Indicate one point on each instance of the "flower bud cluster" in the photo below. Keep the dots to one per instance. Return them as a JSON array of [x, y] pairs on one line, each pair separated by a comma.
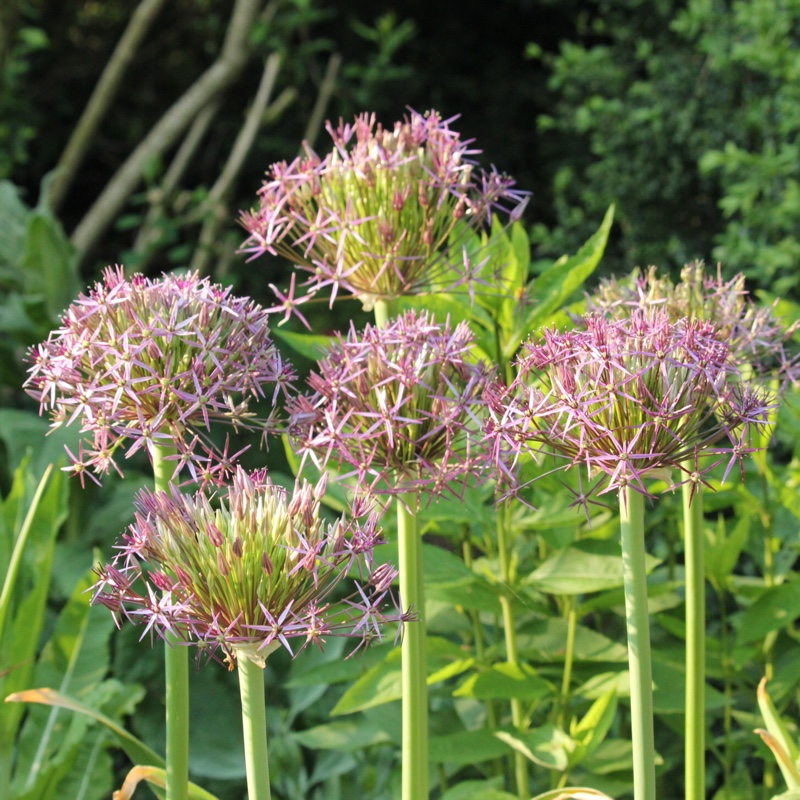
[[247, 572], [399, 406], [144, 362], [373, 216]]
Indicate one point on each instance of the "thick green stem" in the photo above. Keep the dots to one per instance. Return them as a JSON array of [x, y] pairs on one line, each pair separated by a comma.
[[414, 659], [176, 668], [510, 632], [638, 626], [254, 725], [569, 657], [694, 565]]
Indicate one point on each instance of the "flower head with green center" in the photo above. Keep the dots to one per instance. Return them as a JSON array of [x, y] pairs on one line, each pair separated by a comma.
[[756, 339], [399, 406], [374, 216], [248, 572], [153, 362], [631, 399]]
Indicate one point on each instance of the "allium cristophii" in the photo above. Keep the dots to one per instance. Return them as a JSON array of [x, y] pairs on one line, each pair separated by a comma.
[[373, 216], [248, 572], [630, 399], [399, 407], [144, 362], [756, 338]]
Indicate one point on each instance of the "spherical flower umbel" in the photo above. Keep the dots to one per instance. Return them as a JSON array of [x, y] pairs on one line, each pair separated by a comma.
[[631, 399], [756, 338], [373, 216], [144, 362], [248, 572], [397, 407]]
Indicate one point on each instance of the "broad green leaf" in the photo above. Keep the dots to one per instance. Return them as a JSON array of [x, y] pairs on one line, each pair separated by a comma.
[[50, 262], [14, 214], [723, 549], [137, 751], [311, 345], [505, 682], [546, 746], [342, 735], [554, 287], [382, 683], [590, 732], [777, 608], [612, 755], [547, 641], [478, 790], [588, 566], [466, 747]]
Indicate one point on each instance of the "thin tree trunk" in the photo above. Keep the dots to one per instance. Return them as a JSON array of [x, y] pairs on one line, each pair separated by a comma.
[[174, 122], [101, 99]]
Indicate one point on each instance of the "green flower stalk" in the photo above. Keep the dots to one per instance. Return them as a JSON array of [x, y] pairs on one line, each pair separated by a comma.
[[397, 408], [758, 343], [240, 575], [148, 365], [630, 400]]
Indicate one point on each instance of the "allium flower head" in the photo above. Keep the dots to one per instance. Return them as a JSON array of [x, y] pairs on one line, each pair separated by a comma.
[[630, 399], [373, 216], [145, 362], [756, 338], [398, 406], [247, 573]]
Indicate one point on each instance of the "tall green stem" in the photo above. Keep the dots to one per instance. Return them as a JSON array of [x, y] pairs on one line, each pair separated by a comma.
[[414, 658], [638, 626], [254, 726], [510, 632], [176, 668], [694, 565]]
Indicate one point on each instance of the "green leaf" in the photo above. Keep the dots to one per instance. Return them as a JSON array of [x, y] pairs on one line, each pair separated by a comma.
[[779, 738], [588, 566], [547, 746], [777, 608], [547, 640], [342, 735], [553, 288], [137, 751], [590, 732], [477, 790], [50, 262], [466, 747], [722, 550], [382, 683], [505, 682], [311, 345]]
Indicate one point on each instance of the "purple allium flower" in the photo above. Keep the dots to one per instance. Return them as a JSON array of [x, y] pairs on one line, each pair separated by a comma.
[[399, 406], [374, 215], [144, 363], [756, 338], [630, 399], [248, 572]]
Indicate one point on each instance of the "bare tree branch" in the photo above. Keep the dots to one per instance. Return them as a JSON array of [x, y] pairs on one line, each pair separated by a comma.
[[101, 99], [323, 98], [215, 79], [220, 191], [148, 235]]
